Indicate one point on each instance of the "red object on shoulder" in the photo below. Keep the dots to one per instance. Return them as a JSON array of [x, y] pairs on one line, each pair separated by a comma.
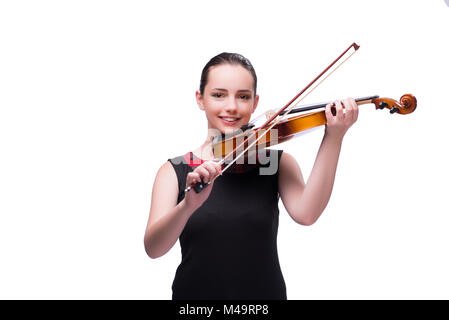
[[192, 161], [188, 157]]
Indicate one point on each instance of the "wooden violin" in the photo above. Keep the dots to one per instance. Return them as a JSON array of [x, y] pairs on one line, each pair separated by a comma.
[[276, 129], [286, 129]]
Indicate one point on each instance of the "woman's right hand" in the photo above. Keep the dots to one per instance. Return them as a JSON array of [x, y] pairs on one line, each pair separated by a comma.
[[205, 173]]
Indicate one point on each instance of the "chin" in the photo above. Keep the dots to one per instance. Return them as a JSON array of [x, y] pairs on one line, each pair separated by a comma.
[[230, 129]]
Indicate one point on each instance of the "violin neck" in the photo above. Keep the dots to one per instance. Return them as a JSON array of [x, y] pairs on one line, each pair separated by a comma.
[[365, 100], [359, 101]]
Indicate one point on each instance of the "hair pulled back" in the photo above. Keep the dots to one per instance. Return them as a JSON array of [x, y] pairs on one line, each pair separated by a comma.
[[230, 58]]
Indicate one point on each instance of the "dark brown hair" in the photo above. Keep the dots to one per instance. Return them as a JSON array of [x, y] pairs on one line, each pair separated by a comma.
[[230, 58]]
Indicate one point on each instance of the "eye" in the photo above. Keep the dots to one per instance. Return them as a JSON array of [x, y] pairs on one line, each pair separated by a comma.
[[217, 95], [244, 97]]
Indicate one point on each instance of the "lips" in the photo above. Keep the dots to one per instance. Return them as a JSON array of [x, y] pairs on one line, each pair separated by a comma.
[[229, 120]]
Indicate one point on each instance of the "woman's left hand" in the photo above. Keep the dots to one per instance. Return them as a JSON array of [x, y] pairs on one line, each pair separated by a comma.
[[346, 114]]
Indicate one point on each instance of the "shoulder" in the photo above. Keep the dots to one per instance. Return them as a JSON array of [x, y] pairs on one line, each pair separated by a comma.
[[289, 171], [291, 182], [287, 162], [165, 185], [171, 176], [167, 169], [166, 175], [274, 155]]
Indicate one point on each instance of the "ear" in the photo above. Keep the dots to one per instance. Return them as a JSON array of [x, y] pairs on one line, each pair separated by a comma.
[[256, 102], [199, 100]]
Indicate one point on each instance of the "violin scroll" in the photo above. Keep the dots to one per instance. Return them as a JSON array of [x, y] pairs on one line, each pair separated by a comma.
[[406, 105]]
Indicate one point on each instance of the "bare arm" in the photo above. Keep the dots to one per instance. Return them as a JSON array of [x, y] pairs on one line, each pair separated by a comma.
[[168, 219], [306, 202]]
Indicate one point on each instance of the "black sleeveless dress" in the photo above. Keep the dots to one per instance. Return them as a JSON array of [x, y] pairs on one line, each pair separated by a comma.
[[229, 245]]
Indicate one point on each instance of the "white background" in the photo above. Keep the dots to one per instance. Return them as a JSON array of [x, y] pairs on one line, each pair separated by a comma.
[[96, 95]]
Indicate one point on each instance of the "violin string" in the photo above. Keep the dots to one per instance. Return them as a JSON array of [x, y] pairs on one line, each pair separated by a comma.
[[279, 119]]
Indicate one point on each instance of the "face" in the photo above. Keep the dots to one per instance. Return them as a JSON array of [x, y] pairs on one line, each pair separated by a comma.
[[229, 98]]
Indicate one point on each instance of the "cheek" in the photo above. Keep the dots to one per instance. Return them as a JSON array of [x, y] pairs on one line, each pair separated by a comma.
[[211, 106], [215, 108], [247, 109]]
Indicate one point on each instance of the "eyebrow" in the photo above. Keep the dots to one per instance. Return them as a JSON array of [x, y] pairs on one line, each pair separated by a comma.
[[242, 90]]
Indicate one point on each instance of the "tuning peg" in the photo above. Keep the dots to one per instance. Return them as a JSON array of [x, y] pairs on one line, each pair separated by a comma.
[[383, 105], [394, 109]]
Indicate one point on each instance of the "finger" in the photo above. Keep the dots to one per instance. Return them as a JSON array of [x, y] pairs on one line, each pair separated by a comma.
[[210, 167], [353, 102], [192, 178], [355, 109], [204, 174], [349, 107], [328, 112], [217, 165], [356, 112], [219, 168], [339, 107]]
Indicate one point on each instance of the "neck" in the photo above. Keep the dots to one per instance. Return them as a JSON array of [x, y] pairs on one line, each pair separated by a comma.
[[205, 151]]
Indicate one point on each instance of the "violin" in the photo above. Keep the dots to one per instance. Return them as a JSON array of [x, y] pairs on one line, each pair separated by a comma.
[[278, 128], [286, 129]]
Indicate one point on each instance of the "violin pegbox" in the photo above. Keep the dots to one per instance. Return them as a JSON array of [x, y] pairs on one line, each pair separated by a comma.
[[407, 104]]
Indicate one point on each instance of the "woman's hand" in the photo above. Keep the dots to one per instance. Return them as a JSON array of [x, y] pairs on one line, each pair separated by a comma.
[[203, 173], [346, 114]]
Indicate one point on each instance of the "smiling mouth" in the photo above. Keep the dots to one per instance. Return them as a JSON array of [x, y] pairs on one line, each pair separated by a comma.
[[229, 120]]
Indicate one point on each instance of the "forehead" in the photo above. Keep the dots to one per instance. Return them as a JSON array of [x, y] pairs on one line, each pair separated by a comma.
[[231, 77]]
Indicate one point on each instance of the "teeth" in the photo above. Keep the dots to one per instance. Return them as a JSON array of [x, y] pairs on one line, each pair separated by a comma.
[[229, 119]]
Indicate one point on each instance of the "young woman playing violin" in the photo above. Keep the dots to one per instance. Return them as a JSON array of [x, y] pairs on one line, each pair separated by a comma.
[[228, 231]]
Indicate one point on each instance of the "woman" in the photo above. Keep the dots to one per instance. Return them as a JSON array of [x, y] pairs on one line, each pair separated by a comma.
[[228, 231]]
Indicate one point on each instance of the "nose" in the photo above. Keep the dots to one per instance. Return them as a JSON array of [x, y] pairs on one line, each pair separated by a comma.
[[231, 106]]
